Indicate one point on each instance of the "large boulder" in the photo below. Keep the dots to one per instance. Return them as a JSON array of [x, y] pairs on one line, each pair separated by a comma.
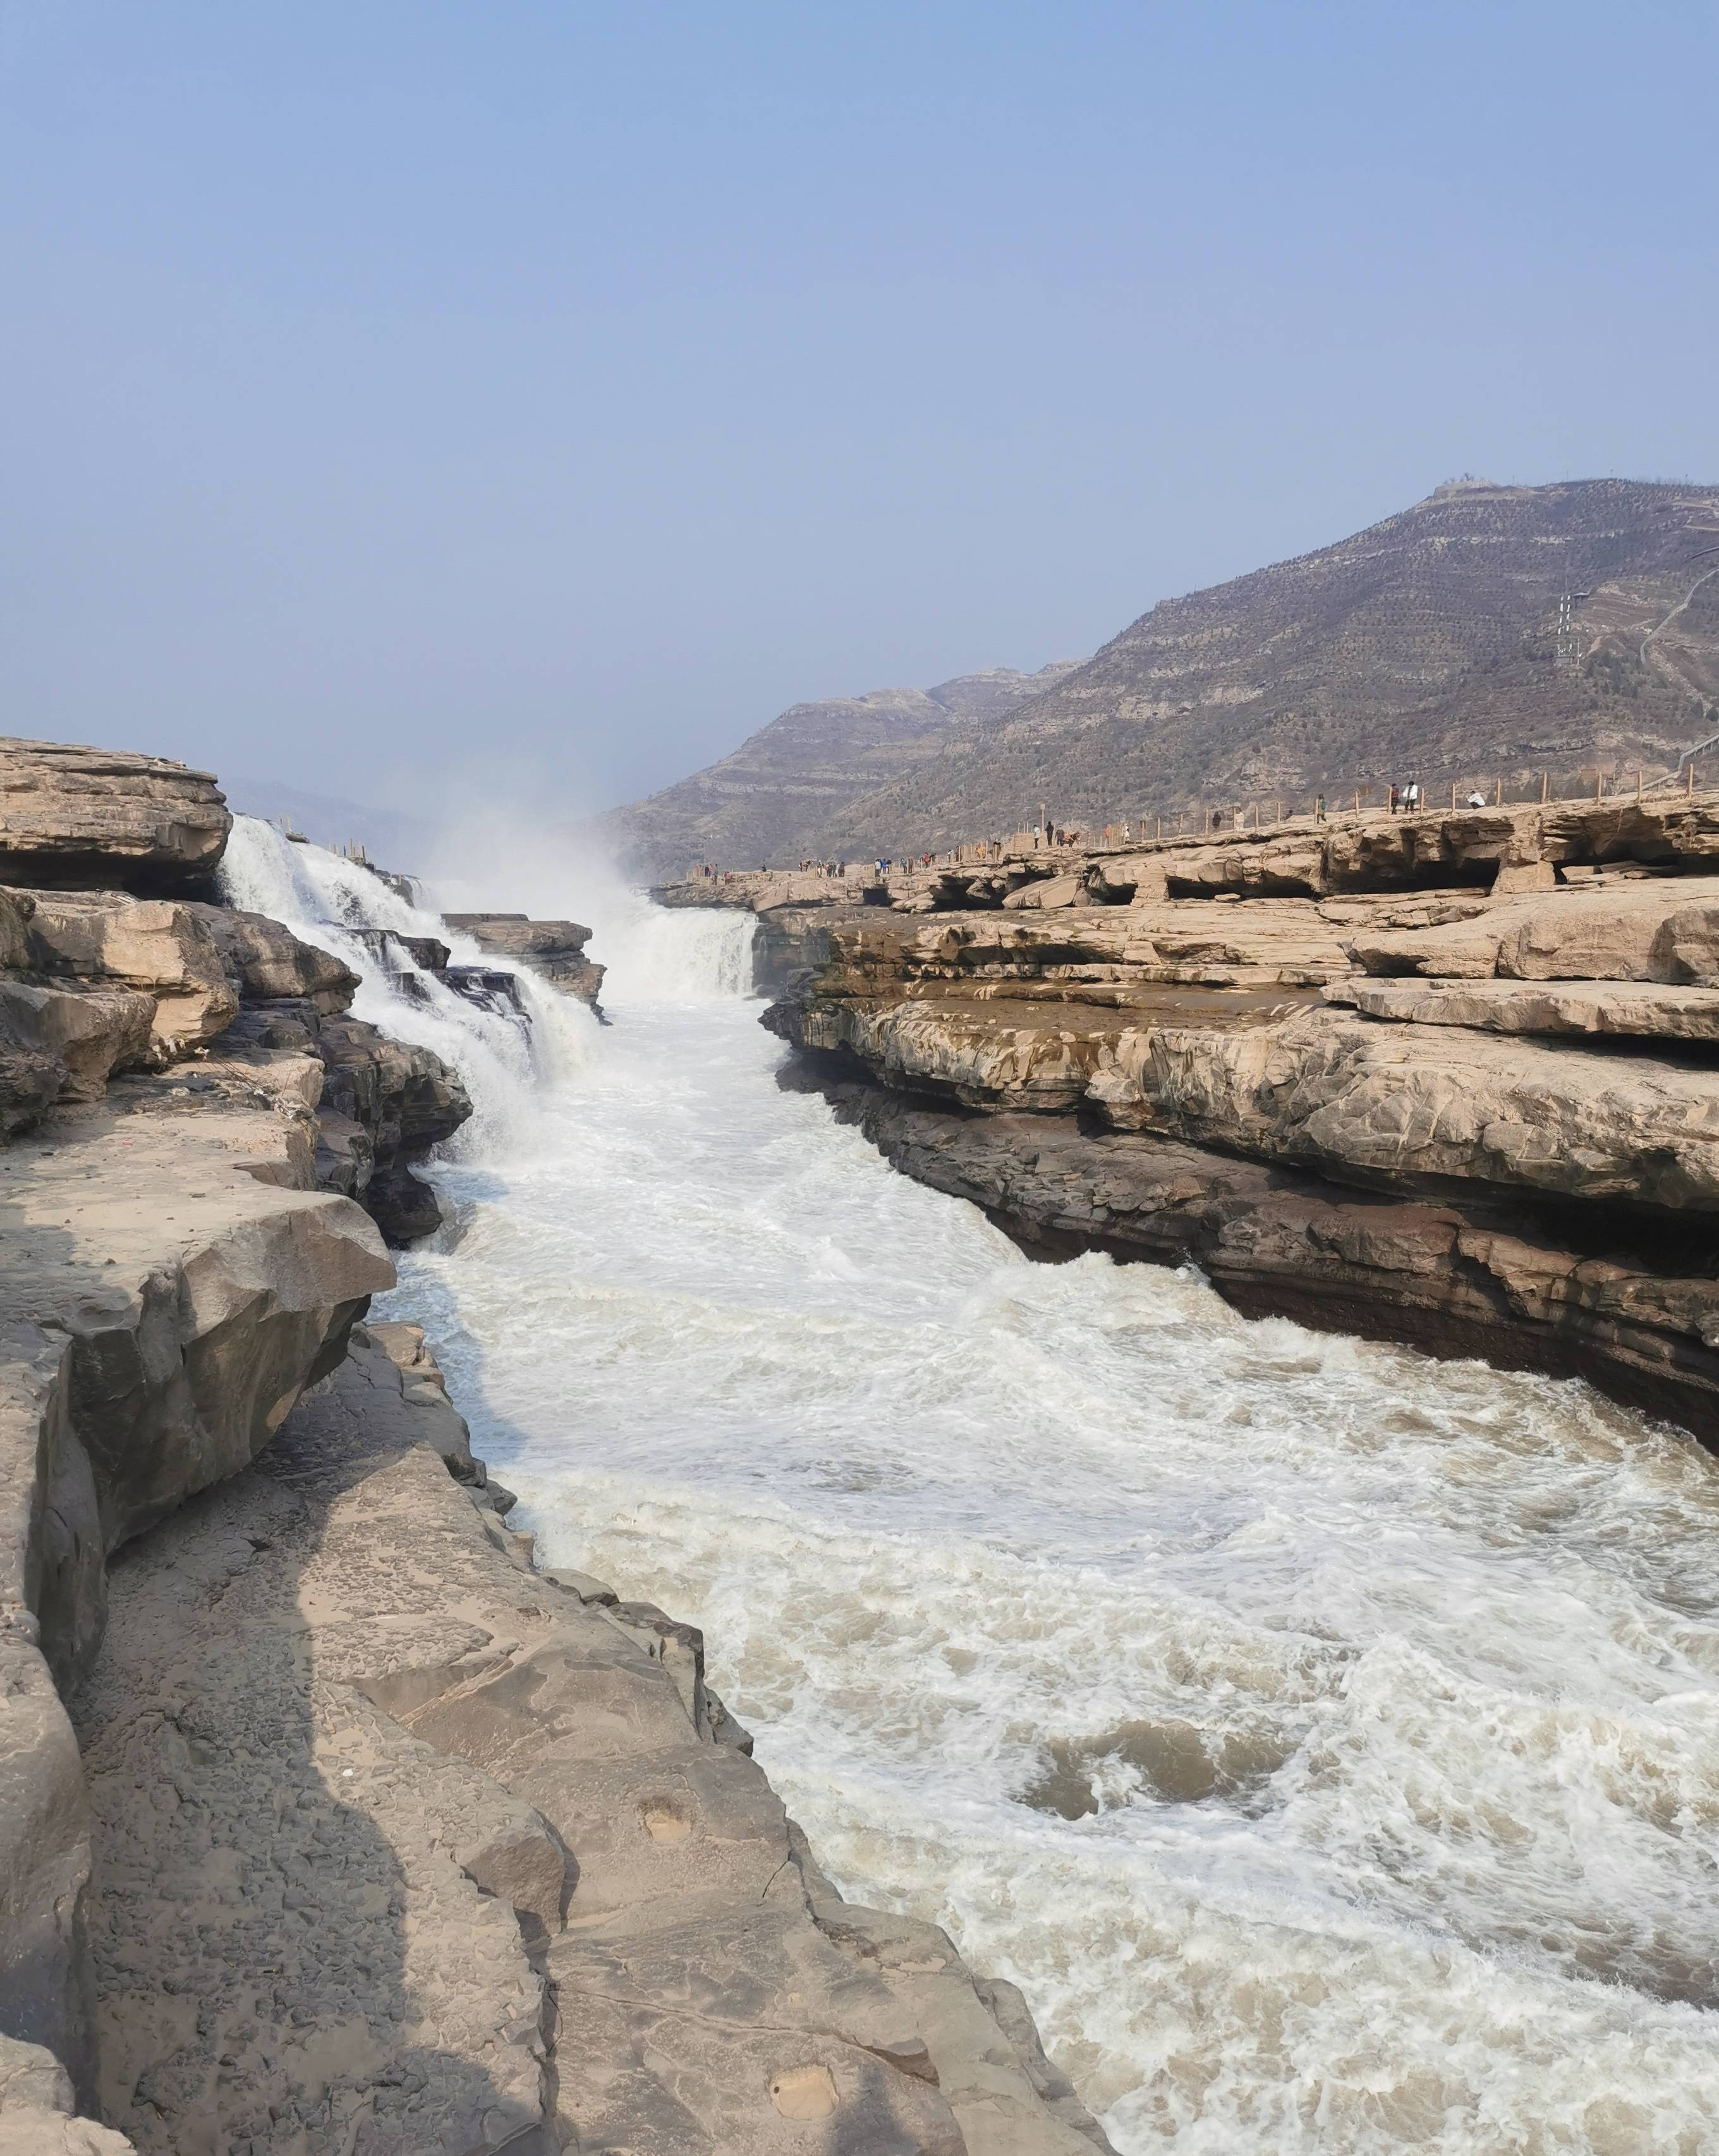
[[382, 1106], [1626, 1010], [31, 1076], [16, 907], [1424, 1107], [267, 962], [386, 1104], [1050, 892], [37, 2107], [75, 819], [1663, 929], [91, 1032], [61, 1040], [518, 935], [554, 950], [155, 945]]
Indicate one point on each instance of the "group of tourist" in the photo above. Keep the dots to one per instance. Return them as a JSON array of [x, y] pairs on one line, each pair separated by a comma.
[[1405, 800]]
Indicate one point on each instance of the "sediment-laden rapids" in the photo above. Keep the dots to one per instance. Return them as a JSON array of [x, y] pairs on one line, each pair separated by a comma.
[[1325, 1739]]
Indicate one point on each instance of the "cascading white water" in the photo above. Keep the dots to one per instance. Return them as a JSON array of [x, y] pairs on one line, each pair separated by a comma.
[[1383, 1694], [325, 899]]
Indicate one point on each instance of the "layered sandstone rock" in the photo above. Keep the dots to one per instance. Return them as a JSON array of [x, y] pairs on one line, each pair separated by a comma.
[[1500, 850], [1640, 1010], [171, 1281], [383, 1105], [1421, 1107], [91, 1033], [38, 2109], [155, 947], [85, 817], [169, 1286], [1528, 1078], [267, 963], [404, 1846], [554, 950], [1661, 930]]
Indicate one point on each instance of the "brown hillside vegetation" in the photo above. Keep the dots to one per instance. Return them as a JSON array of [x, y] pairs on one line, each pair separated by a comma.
[[1426, 648], [801, 771]]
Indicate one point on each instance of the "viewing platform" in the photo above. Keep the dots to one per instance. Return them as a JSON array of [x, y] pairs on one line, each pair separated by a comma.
[[1506, 848]]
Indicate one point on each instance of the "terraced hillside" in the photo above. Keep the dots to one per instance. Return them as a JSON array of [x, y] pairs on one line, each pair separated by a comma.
[[800, 773], [1426, 647]]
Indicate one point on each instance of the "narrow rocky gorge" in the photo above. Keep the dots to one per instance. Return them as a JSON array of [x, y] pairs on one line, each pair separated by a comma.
[[1448, 1080], [327, 1822]]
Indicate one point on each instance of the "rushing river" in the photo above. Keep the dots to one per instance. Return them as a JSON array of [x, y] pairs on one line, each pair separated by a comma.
[[1325, 1740]]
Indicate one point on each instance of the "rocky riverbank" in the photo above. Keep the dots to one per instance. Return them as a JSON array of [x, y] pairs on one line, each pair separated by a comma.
[[327, 1821], [1448, 1080]]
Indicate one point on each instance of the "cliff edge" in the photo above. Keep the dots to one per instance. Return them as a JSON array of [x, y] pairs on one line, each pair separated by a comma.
[[326, 1822], [1448, 1080]]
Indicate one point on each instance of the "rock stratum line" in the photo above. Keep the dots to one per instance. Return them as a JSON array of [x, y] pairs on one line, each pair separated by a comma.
[[1452, 1080]]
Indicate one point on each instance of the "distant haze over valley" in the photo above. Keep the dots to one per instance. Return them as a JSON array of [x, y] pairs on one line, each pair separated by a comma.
[[1425, 647]]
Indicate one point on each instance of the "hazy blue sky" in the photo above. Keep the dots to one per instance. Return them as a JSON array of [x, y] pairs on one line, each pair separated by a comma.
[[393, 387]]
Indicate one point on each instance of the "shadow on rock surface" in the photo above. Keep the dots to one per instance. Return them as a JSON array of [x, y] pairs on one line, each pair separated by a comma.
[[290, 1955]]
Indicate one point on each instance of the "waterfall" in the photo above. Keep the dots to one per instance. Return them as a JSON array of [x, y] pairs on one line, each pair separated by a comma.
[[655, 955], [660, 957], [345, 908]]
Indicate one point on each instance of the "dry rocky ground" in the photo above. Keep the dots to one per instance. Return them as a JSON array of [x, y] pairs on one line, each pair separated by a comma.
[[1451, 1079], [327, 1823]]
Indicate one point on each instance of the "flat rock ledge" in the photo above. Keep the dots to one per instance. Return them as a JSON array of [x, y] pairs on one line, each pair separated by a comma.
[[77, 818], [1478, 1121], [554, 950], [400, 1845]]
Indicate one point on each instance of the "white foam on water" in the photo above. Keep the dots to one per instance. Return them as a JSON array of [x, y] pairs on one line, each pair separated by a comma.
[[1392, 1685], [324, 898]]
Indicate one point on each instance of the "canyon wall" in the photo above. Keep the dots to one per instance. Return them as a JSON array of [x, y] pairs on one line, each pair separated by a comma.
[[1452, 1079], [327, 1822]]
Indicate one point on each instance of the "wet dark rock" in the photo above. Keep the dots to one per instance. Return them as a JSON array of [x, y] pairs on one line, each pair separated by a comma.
[[490, 989], [554, 950], [394, 952], [267, 962]]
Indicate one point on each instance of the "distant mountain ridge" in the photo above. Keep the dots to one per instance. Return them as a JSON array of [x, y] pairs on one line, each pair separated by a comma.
[[1426, 647], [799, 774]]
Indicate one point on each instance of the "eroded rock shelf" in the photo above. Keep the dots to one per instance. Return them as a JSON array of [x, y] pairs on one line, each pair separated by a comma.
[[1448, 1080]]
